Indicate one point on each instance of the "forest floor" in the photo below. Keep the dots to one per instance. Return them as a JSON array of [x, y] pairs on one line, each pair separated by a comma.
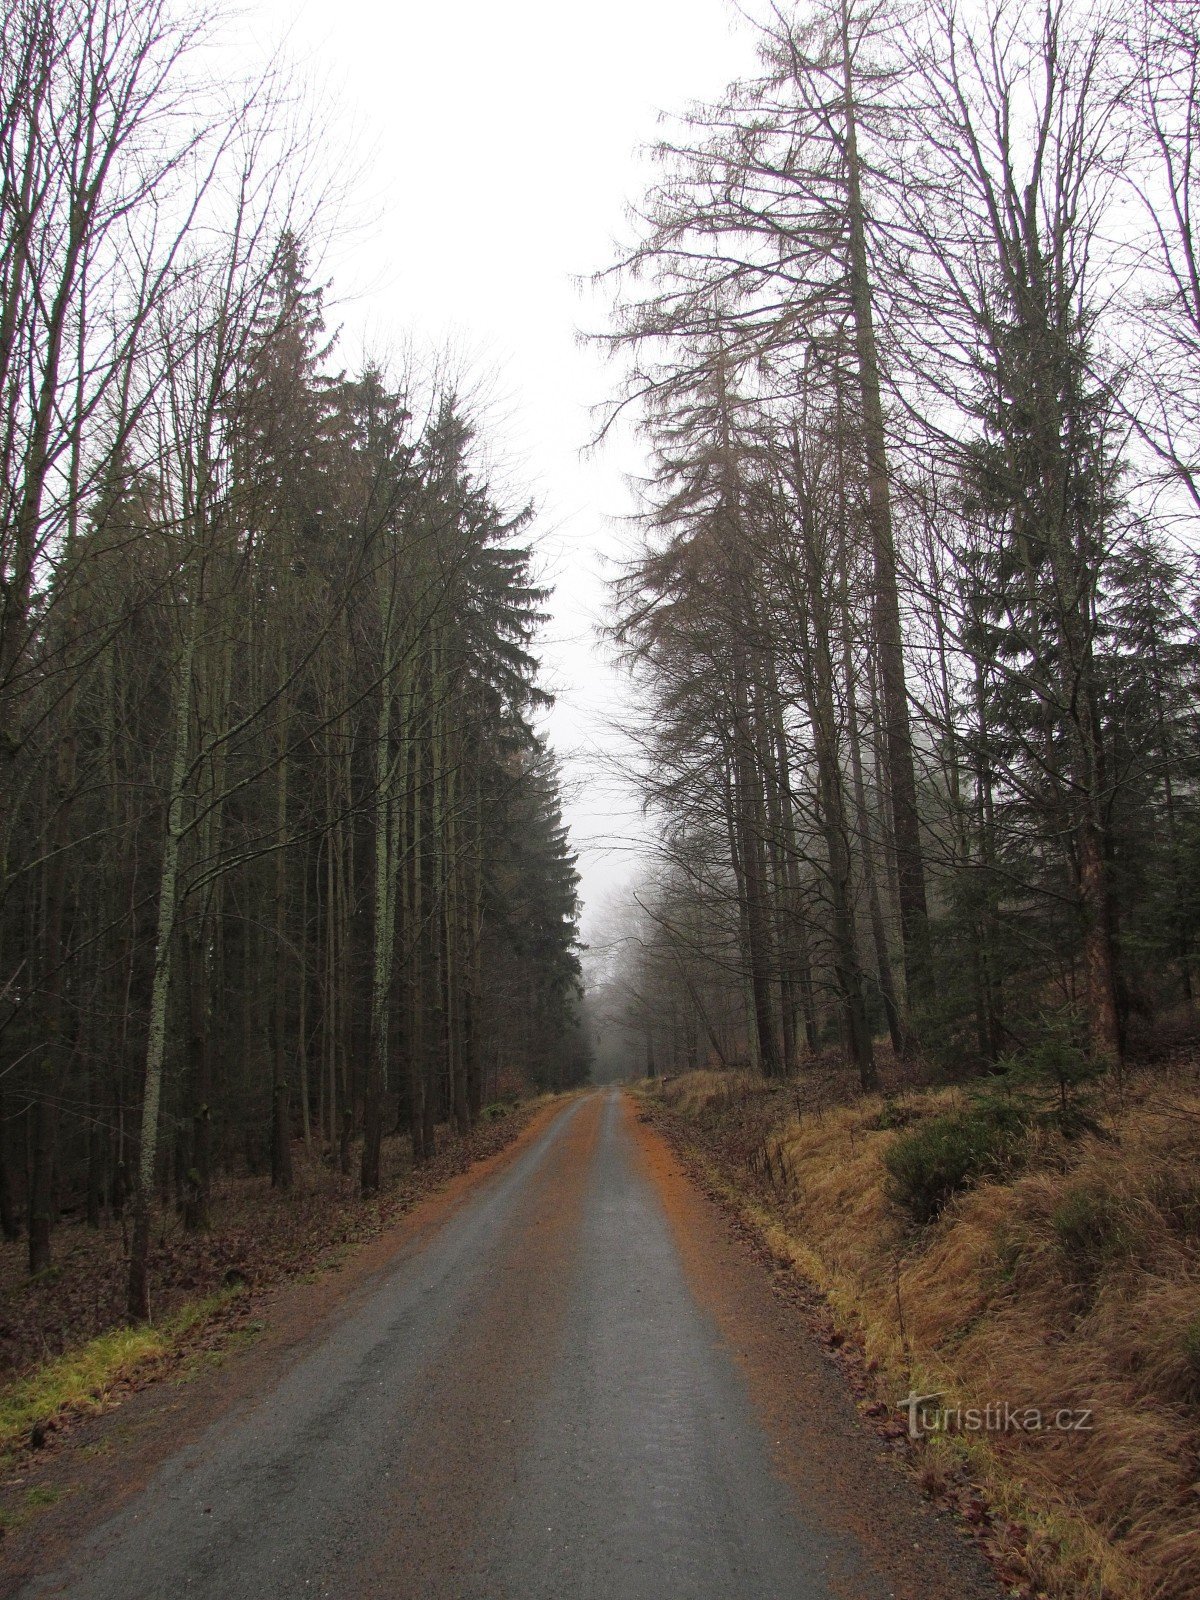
[[1071, 1281], [65, 1351]]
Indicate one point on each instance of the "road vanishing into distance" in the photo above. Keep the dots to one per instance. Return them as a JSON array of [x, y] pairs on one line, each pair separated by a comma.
[[574, 1381]]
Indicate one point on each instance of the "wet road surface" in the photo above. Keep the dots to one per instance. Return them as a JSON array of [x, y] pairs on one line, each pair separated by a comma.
[[541, 1398]]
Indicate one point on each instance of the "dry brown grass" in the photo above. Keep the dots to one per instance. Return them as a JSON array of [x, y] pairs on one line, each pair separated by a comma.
[[1075, 1285]]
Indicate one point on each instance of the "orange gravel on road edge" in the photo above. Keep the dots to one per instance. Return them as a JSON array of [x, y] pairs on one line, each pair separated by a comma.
[[834, 1463]]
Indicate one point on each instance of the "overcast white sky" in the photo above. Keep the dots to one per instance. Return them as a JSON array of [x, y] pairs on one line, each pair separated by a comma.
[[496, 147]]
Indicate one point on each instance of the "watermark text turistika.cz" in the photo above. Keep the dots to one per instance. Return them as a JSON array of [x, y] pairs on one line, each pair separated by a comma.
[[926, 1416]]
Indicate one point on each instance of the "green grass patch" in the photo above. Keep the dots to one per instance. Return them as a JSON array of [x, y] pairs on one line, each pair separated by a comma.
[[26, 1506], [39, 1498], [207, 1360], [79, 1383], [930, 1163], [1090, 1229]]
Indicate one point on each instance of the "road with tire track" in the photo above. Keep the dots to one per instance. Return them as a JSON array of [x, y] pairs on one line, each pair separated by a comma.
[[578, 1383]]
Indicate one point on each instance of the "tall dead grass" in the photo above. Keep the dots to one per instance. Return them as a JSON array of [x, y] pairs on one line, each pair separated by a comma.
[[1076, 1285]]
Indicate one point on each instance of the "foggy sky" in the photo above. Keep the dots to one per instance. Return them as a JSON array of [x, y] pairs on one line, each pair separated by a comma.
[[490, 152]]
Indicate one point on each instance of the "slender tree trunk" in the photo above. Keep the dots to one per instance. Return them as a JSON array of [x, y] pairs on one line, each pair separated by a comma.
[[381, 971], [748, 803], [281, 1112], [901, 769], [41, 1200], [138, 1299], [776, 854], [199, 1060], [866, 845], [798, 930], [9, 1224], [1104, 1029], [302, 1040]]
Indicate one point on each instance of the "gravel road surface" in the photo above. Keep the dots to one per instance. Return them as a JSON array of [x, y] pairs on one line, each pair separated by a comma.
[[578, 1385]]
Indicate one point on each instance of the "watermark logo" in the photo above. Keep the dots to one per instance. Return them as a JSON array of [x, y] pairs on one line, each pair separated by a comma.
[[927, 1416]]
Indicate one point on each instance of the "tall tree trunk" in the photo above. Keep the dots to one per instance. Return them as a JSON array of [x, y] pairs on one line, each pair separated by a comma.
[[901, 769], [748, 801], [138, 1296], [777, 856], [41, 1198], [383, 928], [281, 1111], [199, 1063], [791, 863], [820, 693], [866, 844]]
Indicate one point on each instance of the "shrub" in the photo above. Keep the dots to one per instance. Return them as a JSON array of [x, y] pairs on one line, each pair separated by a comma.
[[1090, 1229], [1176, 1197], [1056, 1077], [895, 1115], [932, 1162]]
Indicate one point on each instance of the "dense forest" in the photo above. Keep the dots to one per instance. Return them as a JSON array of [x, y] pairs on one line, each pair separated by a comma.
[[281, 852], [887, 1266], [911, 318]]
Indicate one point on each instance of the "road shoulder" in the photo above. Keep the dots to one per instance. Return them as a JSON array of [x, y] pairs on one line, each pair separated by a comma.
[[833, 1459]]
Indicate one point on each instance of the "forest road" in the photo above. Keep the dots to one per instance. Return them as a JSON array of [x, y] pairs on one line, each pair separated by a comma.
[[580, 1385]]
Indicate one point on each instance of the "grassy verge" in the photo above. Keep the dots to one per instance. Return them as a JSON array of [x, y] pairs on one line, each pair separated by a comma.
[[83, 1381], [1068, 1278]]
